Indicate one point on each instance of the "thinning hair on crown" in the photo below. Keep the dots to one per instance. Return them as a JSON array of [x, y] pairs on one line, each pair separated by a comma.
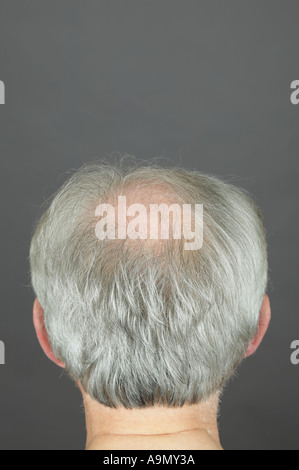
[[142, 324]]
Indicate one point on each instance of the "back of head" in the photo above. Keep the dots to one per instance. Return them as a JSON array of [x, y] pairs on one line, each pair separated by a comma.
[[144, 322]]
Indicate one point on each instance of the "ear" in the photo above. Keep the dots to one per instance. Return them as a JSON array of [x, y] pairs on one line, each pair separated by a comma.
[[264, 320], [41, 333]]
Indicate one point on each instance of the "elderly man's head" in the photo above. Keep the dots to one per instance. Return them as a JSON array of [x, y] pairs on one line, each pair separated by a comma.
[[144, 321]]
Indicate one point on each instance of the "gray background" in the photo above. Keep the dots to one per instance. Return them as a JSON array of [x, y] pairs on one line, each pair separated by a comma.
[[204, 83]]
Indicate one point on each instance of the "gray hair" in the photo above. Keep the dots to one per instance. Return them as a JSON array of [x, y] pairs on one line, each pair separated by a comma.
[[139, 326]]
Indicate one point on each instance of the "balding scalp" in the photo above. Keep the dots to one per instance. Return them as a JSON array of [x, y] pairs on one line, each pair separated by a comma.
[[139, 326]]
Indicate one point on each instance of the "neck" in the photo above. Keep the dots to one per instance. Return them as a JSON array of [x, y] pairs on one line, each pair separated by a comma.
[[191, 426]]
